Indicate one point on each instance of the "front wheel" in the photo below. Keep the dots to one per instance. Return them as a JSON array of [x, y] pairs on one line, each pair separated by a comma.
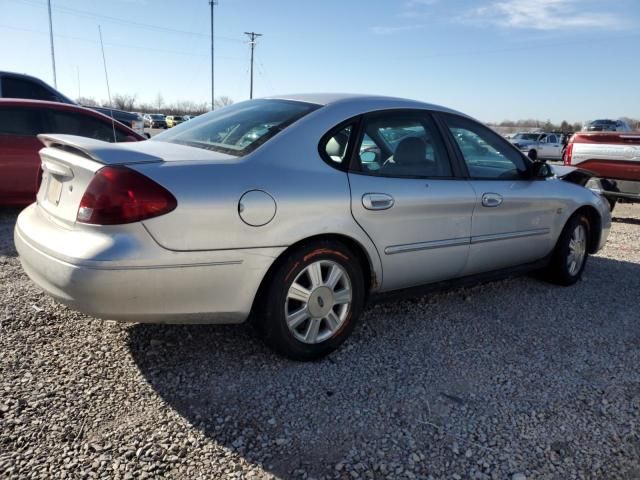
[[313, 301], [572, 250]]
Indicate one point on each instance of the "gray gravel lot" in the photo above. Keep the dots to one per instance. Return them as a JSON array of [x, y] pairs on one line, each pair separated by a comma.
[[510, 380]]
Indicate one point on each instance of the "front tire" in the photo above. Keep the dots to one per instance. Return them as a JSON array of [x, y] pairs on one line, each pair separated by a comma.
[[571, 253], [313, 301]]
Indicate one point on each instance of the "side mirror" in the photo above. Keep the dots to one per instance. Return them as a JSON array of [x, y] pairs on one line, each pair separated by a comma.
[[540, 169], [533, 155]]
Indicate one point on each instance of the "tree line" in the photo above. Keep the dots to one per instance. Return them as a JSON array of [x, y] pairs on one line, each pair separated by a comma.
[[130, 103], [548, 126]]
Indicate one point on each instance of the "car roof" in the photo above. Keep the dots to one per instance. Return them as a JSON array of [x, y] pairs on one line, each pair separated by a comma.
[[371, 101], [49, 104]]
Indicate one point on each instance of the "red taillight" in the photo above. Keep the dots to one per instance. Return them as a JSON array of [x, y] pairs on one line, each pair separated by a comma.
[[568, 152], [119, 195]]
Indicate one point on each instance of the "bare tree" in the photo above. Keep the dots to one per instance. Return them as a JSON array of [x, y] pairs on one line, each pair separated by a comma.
[[222, 101], [124, 102], [88, 101], [179, 107], [159, 102]]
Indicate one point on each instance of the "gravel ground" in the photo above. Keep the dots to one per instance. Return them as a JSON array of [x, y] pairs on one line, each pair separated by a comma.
[[510, 380]]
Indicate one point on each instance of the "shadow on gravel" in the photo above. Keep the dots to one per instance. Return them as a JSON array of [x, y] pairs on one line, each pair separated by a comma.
[[628, 221], [453, 360], [8, 218]]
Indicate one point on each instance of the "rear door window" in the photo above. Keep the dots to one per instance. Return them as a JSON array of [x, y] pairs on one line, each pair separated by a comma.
[[74, 123], [399, 144], [20, 121]]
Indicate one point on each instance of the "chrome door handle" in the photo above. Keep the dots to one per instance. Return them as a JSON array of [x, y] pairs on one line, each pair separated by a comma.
[[491, 199], [377, 201]]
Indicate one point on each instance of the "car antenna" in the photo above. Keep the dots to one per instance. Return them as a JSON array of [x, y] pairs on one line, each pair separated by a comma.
[[106, 76]]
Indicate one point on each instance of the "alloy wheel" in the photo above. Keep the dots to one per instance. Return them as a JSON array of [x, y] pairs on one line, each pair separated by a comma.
[[318, 301], [577, 250]]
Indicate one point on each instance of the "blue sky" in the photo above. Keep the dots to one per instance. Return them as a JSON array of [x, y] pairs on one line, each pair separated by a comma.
[[493, 59]]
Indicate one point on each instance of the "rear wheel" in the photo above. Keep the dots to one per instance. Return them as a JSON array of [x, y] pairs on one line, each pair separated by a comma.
[[571, 253], [313, 301]]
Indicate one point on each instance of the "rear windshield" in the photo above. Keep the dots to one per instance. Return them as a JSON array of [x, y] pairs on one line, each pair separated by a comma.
[[157, 117], [239, 128]]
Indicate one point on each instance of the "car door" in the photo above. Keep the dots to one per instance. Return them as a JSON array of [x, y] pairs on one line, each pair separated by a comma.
[[514, 213], [19, 147], [553, 149], [406, 196]]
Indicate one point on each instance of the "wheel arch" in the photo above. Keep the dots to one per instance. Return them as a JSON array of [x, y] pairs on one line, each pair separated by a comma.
[[368, 269], [595, 225]]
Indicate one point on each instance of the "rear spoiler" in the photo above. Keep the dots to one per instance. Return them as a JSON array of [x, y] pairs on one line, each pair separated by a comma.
[[97, 150]]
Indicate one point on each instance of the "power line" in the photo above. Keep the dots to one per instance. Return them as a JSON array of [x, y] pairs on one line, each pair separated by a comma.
[[108, 18], [252, 42], [262, 72], [131, 46]]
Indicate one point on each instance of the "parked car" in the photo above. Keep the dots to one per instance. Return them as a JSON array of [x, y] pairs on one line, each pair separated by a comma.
[[606, 126], [155, 120], [19, 85], [295, 212], [543, 145], [614, 157], [132, 120], [173, 120], [20, 123]]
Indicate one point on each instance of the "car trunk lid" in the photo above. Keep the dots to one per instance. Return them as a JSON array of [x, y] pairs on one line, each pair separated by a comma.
[[69, 163]]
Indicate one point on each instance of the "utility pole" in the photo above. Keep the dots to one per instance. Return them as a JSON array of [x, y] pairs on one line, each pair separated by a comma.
[[212, 3], [53, 56], [252, 36]]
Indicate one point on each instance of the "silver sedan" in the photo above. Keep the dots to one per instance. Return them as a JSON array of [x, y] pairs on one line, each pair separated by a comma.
[[295, 212]]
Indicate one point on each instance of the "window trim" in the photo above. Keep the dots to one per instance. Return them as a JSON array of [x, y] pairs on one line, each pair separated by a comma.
[[355, 166], [524, 175]]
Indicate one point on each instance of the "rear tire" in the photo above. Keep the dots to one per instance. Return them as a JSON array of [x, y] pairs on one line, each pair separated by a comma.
[[571, 253], [313, 301]]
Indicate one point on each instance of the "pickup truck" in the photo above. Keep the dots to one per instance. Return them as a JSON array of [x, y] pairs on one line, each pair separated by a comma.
[[614, 157]]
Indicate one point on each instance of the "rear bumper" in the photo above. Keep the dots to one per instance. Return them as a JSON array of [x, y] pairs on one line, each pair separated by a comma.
[[131, 278]]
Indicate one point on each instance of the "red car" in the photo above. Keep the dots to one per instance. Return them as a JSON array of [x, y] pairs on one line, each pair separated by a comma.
[[20, 123]]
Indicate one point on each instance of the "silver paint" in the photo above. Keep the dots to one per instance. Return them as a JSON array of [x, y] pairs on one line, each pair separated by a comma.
[[203, 263]]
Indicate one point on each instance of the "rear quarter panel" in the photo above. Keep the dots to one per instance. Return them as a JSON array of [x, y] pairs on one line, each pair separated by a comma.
[[311, 197]]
